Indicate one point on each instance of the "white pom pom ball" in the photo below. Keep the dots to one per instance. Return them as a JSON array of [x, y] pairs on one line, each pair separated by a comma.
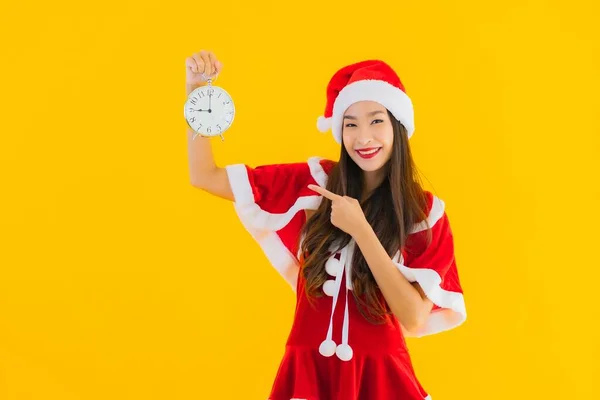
[[323, 124], [329, 287], [327, 348], [333, 266], [344, 352]]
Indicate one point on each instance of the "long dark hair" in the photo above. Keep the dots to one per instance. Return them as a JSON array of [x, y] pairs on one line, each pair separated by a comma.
[[392, 210]]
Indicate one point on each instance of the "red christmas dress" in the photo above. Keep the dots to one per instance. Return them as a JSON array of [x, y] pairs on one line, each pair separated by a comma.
[[332, 352]]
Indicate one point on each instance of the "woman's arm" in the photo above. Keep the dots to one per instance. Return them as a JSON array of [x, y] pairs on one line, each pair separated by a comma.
[[406, 300], [204, 173]]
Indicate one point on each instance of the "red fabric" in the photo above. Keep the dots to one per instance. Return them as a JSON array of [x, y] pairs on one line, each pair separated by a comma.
[[381, 367], [276, 187], [369, 69], [438, 255]]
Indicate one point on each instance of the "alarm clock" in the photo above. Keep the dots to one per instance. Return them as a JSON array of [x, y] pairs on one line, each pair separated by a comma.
[[209, 110]]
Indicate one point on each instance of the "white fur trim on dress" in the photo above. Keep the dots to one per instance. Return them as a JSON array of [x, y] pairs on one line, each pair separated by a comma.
[[452, 310], [251, 213], [391, 97], [437, 211], [452, 304], [320, 176], [263, 225], [317, 171]]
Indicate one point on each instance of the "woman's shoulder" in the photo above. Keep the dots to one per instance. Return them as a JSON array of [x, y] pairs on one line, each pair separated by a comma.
[[433, 208], [314, 168], [311, 163], [278, 185], [432, 201]]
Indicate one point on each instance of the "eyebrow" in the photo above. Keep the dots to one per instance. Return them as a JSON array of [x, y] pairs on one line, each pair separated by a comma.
[[370, 114]]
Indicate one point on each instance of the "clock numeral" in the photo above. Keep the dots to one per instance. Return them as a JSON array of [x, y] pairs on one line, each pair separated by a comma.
[[192, 119], [193, 101], [202, 94], [220, 129], [219, 95], [211, 92], [208, 130], [226, 102]]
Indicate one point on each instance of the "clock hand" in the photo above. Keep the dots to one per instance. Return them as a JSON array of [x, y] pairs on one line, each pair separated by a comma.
[[209, 98]]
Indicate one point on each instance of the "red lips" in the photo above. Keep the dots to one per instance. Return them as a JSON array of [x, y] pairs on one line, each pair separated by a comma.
[[368, 152]]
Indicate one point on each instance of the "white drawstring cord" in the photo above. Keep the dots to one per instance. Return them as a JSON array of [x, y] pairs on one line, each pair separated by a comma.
[[328, 347]]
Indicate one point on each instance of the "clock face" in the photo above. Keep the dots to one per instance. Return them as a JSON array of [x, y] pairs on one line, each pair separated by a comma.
[[209, 110]]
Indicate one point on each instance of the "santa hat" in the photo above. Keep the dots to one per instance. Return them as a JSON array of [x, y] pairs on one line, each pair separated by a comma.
[[366, 80]]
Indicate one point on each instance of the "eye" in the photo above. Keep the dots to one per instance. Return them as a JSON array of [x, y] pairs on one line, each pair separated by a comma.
[[377, 121], [349, 125]]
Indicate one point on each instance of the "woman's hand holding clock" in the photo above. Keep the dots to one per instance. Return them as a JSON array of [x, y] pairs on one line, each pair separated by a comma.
[[203, 116]]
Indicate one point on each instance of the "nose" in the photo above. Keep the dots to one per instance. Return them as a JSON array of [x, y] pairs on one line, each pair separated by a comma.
[[364, 137]]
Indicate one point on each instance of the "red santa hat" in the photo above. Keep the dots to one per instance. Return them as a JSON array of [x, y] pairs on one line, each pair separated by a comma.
[[371, 80]]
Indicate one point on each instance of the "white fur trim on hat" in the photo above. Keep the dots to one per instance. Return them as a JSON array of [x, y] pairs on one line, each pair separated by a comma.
[[389, 96]]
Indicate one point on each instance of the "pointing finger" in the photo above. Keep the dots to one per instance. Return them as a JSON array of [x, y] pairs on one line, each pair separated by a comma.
[[326, 193]]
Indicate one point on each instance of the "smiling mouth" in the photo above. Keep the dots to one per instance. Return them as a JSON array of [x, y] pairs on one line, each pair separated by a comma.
[[368, 152]]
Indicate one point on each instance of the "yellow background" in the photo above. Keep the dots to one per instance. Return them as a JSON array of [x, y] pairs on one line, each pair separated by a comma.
[[119, 280]]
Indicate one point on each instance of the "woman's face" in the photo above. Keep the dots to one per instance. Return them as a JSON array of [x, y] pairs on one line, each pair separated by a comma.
[[368, 134]]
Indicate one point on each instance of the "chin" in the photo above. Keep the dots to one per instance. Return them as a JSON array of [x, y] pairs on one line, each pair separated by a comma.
[[368, 166]]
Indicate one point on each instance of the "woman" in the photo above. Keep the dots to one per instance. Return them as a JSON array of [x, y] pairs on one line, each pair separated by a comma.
[[362, 225]]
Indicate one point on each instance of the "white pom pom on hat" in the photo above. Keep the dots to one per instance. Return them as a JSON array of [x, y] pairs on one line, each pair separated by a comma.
[[323, 124], [372, 80]]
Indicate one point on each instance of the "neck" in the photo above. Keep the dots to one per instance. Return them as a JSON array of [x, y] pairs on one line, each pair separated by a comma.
[[370, 181]]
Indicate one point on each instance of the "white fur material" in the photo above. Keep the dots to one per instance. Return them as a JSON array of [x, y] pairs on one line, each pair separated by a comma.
[[453, 311], [437, 211], [262, 226], [317, 171], [389, 96], [323, 124]]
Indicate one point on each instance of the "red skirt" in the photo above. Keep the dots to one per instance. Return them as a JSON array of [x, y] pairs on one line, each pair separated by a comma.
[[380, 368]]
